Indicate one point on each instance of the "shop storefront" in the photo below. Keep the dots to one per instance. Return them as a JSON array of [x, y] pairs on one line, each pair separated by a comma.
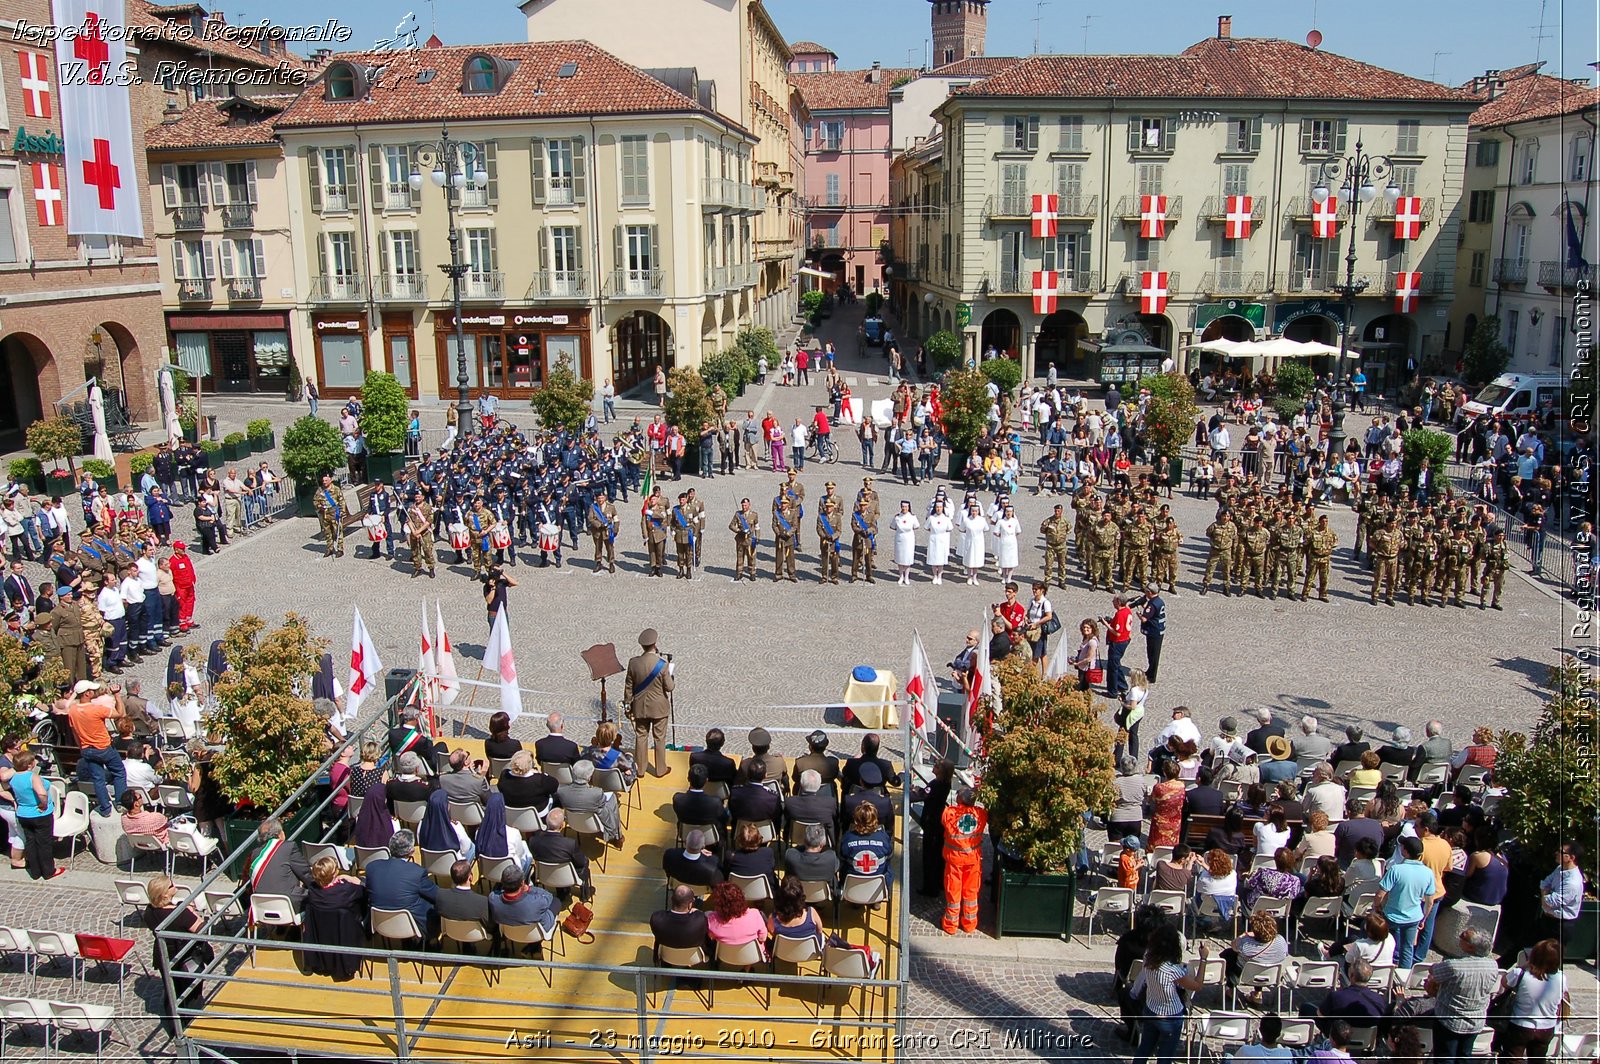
[[511, 353], [247, 352], [341, 353]]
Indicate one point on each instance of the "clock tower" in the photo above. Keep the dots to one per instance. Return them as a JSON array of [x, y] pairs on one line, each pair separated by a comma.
[[959, 27]]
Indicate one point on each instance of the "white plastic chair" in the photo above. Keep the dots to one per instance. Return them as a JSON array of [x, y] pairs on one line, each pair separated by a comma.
[[437, 864], [490, 869], [795, 951], [132, 893], [174, 798], [852, 964], [72, 820], [365, 855], [1111, 901], [524, 819], [1297, 1033], [410, 813], [863, 892], [73, 1018], [756, 888], [1433, 772], [395, 925], [467, 814], [464, 933], [612, 781], [532, 935], [1254, 976], [1474, 776], [1330, 909], [560, 773], [14, 942], [315, 851], [744, 955], [1317, 975], [27, 1012], [1363, 1040], [271, 910], [1223, 1028], [588, 823], [188, 842], [53, 946], [554, 877], [1279, 908], [138, 844]]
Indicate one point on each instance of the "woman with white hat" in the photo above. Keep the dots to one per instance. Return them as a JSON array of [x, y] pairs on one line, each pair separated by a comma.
[[939, 528], [905, 525]]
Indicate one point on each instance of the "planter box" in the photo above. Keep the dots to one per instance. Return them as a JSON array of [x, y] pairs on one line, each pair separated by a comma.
[[33, 485], [108, 485], [1035, 904], [955, 465], [192, 434], [59, 487], [384, 466], [263, 444], [239, 829], [305, 496], [236, 452], [215, 459]]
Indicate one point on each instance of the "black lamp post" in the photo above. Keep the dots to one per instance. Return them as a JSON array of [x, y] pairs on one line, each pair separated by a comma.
[[454, 167], [1358, 175]]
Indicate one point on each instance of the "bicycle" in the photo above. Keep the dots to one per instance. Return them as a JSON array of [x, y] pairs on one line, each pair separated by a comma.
[[823, 449]]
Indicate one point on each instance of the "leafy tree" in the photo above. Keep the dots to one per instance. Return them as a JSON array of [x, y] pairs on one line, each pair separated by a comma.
[[965, 394], [811, 302], [295, 384], [311, 447], [1437, 447], [944, 347], [1551, 777], [564, 401], [688, 404], [274, 738], [754, 343], [1294, 380], [1006, 373], [383, 413], [57, 440], [28, 677], [1485, 357], [1170, 415], [726, 368], [874, 303], [1047, 761]]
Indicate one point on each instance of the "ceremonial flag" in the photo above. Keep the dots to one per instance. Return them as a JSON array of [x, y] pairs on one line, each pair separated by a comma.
[[428, 690], [1045, 215], [1044, 291], [1060, 663], [365, 667], [1237, 217], [1153, 217], [1152, 291], [1575, 259], [499, 656], [983, 685], [1407, 283], [1325, 218], [1408, 218], [649, 482], [102, 174], [923, 689], [449, 687]]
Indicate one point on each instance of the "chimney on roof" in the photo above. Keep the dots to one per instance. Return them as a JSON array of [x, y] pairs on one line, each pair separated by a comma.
[[1224, 27], [320, 55], [875, 75]]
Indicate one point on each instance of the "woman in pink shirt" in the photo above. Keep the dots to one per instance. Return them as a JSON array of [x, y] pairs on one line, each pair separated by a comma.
[[731, 919]]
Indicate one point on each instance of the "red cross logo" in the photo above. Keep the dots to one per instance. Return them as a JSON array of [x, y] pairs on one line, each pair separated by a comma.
[[865, 863], [103, 175], [91, 48]]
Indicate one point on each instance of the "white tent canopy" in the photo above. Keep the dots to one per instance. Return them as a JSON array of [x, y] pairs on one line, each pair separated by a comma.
[[1268, 351]]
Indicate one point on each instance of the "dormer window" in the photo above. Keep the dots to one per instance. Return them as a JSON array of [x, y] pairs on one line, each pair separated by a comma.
[[340, 82], [484, 74]]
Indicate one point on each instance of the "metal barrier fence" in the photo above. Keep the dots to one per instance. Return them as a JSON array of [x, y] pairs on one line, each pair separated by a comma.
[[404, 1028]]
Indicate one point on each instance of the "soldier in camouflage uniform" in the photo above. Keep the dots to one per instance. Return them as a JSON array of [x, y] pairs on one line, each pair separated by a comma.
[[1055, 530], [1167, 541], [1383, 543], [1223, 534], [1457, 559], [1287, 537], [1424, 551], [1478, 533], [1256, 539], [1136, 551], [1320, 542], [1364, 514], [1103, 539], [1496, 561], [1083, 518]]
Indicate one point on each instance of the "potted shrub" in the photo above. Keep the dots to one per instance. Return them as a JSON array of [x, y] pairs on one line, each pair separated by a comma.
[[273, 738], [102, 472], [1006, 373], [1430, 444], [27, 472], [57, 440], [212, 450], [1169, 419], [564, 401], [1047, 761], [751, 345], [965, 394], [235, 447], [259, 432], [311, 447], [689, 408], [1290, 386], [944, 349], [189, 418], [383, 420]]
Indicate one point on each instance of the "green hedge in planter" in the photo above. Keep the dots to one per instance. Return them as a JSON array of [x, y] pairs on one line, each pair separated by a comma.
[[213, 453], [99, 468], [259, 431], [27, 471], [235, 446], [140, 464]]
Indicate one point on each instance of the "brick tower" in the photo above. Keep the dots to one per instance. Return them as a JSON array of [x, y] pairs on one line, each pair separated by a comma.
[[958, 29]]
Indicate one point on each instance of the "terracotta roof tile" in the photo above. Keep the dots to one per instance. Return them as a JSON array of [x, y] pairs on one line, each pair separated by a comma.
[[224, 123], [811, 48], [1529, 95], [164, 20], [602, 84], [841, 90], [1232, 68], [981, 66]]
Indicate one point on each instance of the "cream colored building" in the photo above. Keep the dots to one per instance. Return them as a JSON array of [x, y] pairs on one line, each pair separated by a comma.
[[742, 60], [1101, 133], [614, 225]]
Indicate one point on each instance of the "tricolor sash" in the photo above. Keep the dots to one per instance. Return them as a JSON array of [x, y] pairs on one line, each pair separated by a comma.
[[407, 741], [258, 864]]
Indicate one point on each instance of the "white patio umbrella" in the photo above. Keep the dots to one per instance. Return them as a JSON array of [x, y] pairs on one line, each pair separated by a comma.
[[169, 406], [97, 407]]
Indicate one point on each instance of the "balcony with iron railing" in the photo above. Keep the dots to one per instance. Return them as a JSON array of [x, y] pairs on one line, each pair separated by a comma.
[[403, 288], [744, 274], [194, 290], [337, 288], [1020, 207], [1324, 281], [188, 218], [238, 215], [717, 279], [1433, 283], [635, 284], [1233, 283], [244, 290], [1384, 211], [1557, 276], [559, 284], [1078, 283], [1511, 271], [1128, 208], [1215, 209], [1299, 209], [1128, 283], [480, 285]]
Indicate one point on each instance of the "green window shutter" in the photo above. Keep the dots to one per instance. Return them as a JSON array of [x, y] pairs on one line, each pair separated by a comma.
[[1033, 132], [1305, 136], [1255, 134], [577, 249], [494, 253], [489, 164], [250, 181], [1133, 134], [219, 184], [655, 247], [580, 170], [258, 249], [208, 252], [544, 248], [227, 259], [1340, 137], [375, 175], [178, 263], [322, 254], [383, 254], [619, 247], [1169, 134], [351, 176], [416, 193], [314, 175], [536, 166], [169, 185]]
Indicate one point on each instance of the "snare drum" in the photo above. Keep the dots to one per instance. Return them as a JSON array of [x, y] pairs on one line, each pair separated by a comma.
[[549, 537], [377, 533], [459, 539], [499, 538]]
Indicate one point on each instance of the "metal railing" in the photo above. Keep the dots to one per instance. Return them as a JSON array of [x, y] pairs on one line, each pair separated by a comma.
[[483, 284], [1321, 281], [238, 215], [1510, 271], [1432, 283], [638, 283], [1128, 208], [559, 284], [338, 288], [1233, 283], [1078, 282], [1016, 205], [1215, 208], [403, 288], [1300, 208], [1558, 276], [244, 289], [188, 218], [716, 279], [1128, 283], [194, 290], [1384, 211]]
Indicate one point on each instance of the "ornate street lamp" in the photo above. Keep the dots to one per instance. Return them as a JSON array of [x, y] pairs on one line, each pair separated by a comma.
[[454, 166], [1358, 175]]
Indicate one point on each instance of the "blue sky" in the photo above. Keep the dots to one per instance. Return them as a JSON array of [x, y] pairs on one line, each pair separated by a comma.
[[1472, 35]]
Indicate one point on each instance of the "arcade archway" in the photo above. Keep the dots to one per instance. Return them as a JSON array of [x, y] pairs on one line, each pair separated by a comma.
[[640, 342], [28, 371], [1058, 345], [1001, 331]]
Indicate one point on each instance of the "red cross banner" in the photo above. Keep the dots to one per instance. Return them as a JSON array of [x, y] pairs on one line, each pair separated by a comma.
[[1153, 217], [1236, 220], [1044, 291], [102, 173], [1046, 209], [34, 78], [1152, 292], [1408, 218], [1407, 286], [47, 192], [1325, 218]]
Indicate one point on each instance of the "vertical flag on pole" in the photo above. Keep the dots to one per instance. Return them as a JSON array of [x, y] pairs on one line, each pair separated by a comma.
[[498, 655], [923, 690], [426, 669], [980, 680], [365, 667], [449, 687]]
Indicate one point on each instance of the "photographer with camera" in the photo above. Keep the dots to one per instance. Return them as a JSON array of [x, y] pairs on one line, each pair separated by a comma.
[[647, 702]]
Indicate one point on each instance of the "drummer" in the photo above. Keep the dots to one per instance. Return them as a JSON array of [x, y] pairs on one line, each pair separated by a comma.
[[381, 505], [549, 531]]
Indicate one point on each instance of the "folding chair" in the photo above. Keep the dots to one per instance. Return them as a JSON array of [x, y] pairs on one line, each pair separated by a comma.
[[1474, 776], [559, 772], [104, 950], [756, 888], [1434, 772], [1223, 1028], [72, 820], [1363, 1040], [1382, 978], [1279, 908], [188, 842], [612, 781], [1213, 971], [1256, 976], [1395, 774], [1297, 1033], [174, 798], [1206, 908], [1111, 901], [1316, 975], [582, 823]]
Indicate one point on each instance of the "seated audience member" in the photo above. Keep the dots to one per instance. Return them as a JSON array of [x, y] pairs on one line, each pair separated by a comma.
[[865, 848], [1218, 878], [1286, 793], [1265, 1048], [333, 914], [814, 860], [1261, 944], [1272, 833], [139, 819], [793, 917], [1325, 880], [605, 751], [720, 768], [850, 774], [750, 857], [519, 903], [1353, 1005], [731, 921], [442, 833], [459, 901], [140, 765], [811, 803], [279, 867], [695, 806], [581, 796], [693, 863], [818, 759], [683, 926], [526, 788], [1178, 871], [496, 839], [1253, 806], [1318, 840], [1370, 774], [1454, 815], [1352, 748], [552, 846], [398, 882], [1435, 749], [408, 784], [1480, 752], [1400, 750], [555, 748], [463, 781], [1311, 747], [1275, 880], [500, 746], [776, 767], [1230, 836], [410, 737], [1325, 794], [750, 801], [1204, 799], [1357, 827], [869, 779], [1371, 943]]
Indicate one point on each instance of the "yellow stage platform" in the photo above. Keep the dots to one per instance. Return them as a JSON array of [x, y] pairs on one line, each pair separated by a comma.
[[592, 1002]]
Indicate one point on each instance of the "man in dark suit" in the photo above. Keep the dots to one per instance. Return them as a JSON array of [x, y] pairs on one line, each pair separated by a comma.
[[720, 768], [461, 902], [286, 871], [1400, 751], [556, 748], [1351, 749], [812, 803], [1203, 799], [818, 760], [19, 590], [695, 806], [752, 801], [693, 864], [682, 926], [464, 783], [850, 774], [408, 784], [411, 735], [870, 779], [1256, 738], [777, 767], [400, 883], [550, 846]]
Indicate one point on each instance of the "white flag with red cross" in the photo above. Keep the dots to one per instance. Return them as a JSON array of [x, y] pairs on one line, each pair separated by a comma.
[[499, 656], [1407, 286], [1236, 217], [366, 668], [1152, 292], [449, 684], [1046, 215], [1325, 218], [102, 173], [923, 689], [34, 77], [47, 192], [1408, 218], [1044, 291], [1153, 217]]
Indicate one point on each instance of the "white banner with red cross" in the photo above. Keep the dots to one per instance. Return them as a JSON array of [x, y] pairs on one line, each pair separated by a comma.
[[1045, 283], [1046, 215], [1236, 217], [1407, 286], [1325, 218], [1153, 217], [102, 174], [1408, 218], [1152, 292]]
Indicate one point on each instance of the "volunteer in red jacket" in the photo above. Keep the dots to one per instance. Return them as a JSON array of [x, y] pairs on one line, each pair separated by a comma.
[[1119, 632]]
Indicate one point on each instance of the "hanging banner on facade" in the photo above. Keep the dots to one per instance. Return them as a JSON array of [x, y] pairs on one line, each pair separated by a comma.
[[102, 174]]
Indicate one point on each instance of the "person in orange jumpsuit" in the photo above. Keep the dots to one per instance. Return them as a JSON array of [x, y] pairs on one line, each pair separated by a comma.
[[183, 581], [964, 827]]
